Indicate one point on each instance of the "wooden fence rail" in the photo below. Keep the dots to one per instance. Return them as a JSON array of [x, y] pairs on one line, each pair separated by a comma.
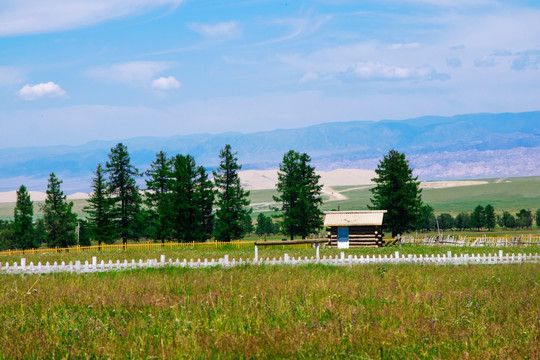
[[341, 260], [522, 240]]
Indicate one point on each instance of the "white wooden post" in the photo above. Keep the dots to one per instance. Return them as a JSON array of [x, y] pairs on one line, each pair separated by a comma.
[[317, 251], [256, 253], [94, 262], [162, 260]]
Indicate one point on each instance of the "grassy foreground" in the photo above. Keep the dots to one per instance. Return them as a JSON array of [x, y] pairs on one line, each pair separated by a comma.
[[361, 312]]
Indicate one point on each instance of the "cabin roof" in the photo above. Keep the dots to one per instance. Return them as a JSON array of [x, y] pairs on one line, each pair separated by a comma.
[[354, 218]]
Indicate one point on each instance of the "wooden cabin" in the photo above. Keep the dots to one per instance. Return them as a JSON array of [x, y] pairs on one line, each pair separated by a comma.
[[347, 229]]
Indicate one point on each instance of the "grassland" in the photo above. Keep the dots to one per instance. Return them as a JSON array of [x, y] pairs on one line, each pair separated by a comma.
[[372, 312], [511, 194]]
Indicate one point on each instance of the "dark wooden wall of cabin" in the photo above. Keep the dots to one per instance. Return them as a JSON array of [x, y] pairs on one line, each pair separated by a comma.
[[358, 236]]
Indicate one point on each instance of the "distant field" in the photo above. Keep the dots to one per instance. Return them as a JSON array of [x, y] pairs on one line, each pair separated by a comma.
[[511, 194]]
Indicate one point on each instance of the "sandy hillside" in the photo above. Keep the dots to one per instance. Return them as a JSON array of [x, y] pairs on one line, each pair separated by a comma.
[[267, 179], [11, 196], [449, 184]]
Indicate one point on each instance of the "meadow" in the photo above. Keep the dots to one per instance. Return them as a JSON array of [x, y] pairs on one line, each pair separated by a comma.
[[310, 312]]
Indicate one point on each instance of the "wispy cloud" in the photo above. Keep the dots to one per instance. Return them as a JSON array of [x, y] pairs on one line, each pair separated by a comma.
[[138, 73], [10, 75], [33, 92], [526, 62], [381, 71], [454, 62], [399, 46], [37, 16], [220, 29], [166, 83]]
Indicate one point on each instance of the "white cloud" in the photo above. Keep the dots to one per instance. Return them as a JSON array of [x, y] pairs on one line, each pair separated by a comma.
[[220, 29], [37, 16], [138, 73], [33, 92], [166, 83]]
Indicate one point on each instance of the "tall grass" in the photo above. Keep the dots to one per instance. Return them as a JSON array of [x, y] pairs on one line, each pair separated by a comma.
[[377, 312]]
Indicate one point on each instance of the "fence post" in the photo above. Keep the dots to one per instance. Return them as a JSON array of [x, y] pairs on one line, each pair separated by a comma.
[[256, 253], [162, 260], [94, 262], [317, 251]]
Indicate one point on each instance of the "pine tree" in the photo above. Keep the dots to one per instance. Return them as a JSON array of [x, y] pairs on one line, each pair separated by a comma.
[[204, 199], [478, 218], [232, 201], [398, 192], [524, 218], [265, 225], [99, 210], [446, 221], [299, 194], [157, 189], [190, 201], [508, 220], [60, 221], [491, 220], [124, 192], [182, 198], [23, 227], [427, 220], [463, 220]]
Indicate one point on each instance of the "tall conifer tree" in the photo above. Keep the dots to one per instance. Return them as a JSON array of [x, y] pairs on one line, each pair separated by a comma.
[[190, 200], [124, 192], [204, 199], [299, 195], [23, 227], [398, 192], [232, 200], [60, 221], [157, 189], [99, 210]]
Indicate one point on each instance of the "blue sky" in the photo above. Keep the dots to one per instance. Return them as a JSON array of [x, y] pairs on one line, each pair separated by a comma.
[[76, 71]]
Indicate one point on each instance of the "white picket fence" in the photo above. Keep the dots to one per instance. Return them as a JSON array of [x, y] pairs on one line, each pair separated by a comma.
[[341, 260]]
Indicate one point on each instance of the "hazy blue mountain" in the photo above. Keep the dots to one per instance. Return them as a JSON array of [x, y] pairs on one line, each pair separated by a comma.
[[474, 140]]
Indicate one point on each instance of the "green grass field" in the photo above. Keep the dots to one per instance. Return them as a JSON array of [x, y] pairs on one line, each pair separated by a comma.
[[511, 194], [306, 312]]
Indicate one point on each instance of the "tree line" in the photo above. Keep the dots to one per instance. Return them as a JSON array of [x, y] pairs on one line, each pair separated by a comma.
[[179, 203], [480, 218]]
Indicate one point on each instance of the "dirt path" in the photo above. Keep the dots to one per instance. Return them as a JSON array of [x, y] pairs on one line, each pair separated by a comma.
[[332, 194]]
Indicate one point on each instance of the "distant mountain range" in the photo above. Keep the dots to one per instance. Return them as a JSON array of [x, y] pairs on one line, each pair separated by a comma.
[[439, 148]]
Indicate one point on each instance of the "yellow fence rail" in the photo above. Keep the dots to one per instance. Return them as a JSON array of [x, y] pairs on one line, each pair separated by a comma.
[[237, 244]]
